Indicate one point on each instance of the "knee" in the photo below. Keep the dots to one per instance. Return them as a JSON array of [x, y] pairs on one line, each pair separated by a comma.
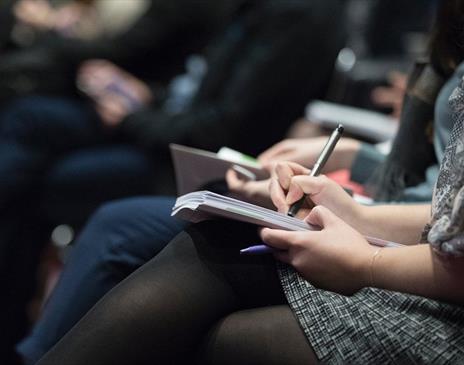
[[33, 119], [117, 232], [268, 335], [111, 214], [226, 342], [103, 225], [108, 221], [21, 116], [122, 213]]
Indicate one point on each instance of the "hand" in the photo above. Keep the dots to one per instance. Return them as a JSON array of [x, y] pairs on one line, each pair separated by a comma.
[[255, 192], [116, 93], [337, 258], [305, 151], [305, 128], [291, 181], [391, 96], [76, 19], [36, 13]]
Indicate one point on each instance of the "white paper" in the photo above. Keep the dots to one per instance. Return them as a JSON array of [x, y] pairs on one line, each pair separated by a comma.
[[204, 205], [364, 123]]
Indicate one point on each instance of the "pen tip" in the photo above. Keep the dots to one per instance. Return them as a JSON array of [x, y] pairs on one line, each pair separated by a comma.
[[340, 128]]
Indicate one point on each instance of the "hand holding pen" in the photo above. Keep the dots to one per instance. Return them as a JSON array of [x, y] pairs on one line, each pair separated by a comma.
[[319, 165], [286, 175]]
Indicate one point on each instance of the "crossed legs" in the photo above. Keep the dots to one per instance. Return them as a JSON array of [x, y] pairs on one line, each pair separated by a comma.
[[198, 299]]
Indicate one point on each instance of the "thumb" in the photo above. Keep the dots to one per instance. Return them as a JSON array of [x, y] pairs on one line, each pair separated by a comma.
[[322, 217]]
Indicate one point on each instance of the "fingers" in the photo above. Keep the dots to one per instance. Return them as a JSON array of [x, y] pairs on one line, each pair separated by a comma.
[[309, 185], [273, 151], [386, 96], [282, 176], [322, 217], [35, 13], [268, 166], [278, 195], [277, 238], [94, 68], [94, 76], [398, 80], [284, 171], [233, 181], [290, 155], [112, 109], [283, 256], [288, 244]]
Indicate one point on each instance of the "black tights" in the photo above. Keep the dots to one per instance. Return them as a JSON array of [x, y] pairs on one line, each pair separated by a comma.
[[198, 300]]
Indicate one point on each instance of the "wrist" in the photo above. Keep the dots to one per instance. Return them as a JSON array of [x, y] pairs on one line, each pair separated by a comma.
[[360, 218], [367, 267]]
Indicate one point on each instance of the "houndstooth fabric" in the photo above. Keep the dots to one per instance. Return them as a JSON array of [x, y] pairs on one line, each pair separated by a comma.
[[377, 326], [447, 227]]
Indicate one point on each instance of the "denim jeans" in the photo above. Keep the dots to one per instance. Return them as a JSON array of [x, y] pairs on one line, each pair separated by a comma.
[[119, 238], [56, 166]]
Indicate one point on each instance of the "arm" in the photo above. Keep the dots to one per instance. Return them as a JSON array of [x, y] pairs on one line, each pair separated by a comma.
[[305, 151], [338, 258], [242, 90], [399, 223], [163, 36], [419, 270]]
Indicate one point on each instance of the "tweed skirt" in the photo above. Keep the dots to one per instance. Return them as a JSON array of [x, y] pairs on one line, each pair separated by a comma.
[[375, 326]]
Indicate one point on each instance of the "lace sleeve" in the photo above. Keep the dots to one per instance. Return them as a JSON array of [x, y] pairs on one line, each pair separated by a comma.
[[447, 233], [447, 227]]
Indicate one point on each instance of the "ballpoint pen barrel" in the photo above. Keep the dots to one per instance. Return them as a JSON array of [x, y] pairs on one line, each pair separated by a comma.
[[293, 210], [319, 165]]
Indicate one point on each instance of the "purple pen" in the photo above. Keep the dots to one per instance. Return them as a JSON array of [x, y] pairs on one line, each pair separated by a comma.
[[257, 250]]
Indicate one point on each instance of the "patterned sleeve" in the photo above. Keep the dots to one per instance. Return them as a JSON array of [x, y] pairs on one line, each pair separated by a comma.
[[446, 234]]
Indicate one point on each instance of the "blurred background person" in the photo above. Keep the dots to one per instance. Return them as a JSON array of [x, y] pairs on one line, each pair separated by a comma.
[[162, 34], [270, 59], [43, 58], [123, 235]]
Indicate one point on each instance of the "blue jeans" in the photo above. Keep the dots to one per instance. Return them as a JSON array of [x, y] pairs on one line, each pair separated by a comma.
[[119, 238], [55, 148], [35, 133], [56, 166]]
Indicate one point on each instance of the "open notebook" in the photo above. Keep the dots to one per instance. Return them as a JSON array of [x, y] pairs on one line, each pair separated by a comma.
[[195, 168], [203, 205]]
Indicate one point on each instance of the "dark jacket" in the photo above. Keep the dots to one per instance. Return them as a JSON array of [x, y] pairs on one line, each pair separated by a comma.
[[153, 49], [269, 62]]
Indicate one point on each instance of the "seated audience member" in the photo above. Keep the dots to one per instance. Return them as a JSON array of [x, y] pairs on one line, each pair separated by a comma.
[[259, 77], [152, 46], [6, 24], [123, 235], [38, 135], [78, 19], [332, 298]]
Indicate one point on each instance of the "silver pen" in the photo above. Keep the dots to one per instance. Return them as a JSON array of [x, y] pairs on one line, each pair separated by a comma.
[[319, 165]]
